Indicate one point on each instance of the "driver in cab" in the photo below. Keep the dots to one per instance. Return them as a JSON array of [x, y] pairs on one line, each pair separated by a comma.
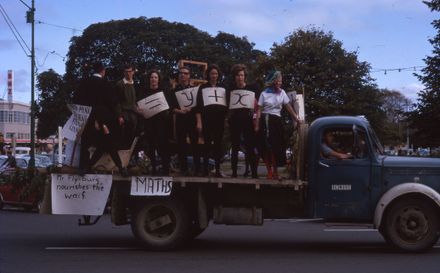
[[328, 150]]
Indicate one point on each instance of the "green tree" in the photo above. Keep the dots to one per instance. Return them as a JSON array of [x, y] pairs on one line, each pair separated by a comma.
[[51, 106], [396, 107], [149, 43], [334, 81], [427, 112]]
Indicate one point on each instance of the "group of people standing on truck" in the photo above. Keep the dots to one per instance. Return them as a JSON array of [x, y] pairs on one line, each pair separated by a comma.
[[194, 116]]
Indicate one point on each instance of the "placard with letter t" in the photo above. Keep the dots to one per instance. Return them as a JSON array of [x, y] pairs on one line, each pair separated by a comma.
[[242, 99], [214, 95], [187, 98], [151, 185]]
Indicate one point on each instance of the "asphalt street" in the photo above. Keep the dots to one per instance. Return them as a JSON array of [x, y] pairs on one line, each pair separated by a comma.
[[35, 243]]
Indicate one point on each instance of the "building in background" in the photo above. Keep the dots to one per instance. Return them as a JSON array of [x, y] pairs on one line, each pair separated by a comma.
[[15, 119]]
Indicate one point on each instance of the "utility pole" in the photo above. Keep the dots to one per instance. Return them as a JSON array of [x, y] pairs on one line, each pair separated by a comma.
[[30, 19]]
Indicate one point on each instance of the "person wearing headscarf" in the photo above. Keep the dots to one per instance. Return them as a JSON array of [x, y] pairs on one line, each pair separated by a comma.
[[269, 124]]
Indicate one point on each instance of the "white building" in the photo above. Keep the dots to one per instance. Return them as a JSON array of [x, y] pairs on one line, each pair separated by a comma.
[[15, 119]]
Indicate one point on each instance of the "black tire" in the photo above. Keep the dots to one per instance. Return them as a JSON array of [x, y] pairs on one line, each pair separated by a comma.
[[412, 225], [162, 224]]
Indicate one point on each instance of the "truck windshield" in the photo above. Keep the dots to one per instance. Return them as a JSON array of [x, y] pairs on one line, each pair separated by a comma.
[[377, 146]]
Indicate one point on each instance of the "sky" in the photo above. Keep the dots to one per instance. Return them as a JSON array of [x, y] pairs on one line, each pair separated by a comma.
[[388, 34]]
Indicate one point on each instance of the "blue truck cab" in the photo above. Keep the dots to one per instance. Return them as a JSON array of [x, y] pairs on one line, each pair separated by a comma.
[[399, 195]]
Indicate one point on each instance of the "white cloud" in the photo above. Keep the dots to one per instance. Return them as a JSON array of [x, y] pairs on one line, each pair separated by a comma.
[[411, 90]]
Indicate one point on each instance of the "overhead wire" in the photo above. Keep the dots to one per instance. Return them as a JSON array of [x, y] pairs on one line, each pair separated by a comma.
[[15, 33]]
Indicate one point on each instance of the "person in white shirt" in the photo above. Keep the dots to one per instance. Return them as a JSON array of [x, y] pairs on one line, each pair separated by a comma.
[[269, 124]]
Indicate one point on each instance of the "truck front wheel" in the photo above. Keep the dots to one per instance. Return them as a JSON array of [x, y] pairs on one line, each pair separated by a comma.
[[412, 225], [161, 224]]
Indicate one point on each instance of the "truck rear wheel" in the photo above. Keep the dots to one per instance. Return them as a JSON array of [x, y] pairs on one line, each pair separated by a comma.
[[161, 224], [412, 225]]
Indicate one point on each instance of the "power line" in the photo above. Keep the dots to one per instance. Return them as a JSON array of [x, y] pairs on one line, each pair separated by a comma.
[[16, 30], [399, 69], [59, 26], [12, 27]]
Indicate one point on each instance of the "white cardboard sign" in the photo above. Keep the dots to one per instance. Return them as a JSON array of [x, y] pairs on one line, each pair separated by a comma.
[[214, 95], [151, 185], [78, 119], [153, 105], [297, 102], [80, 195], [72, 151], [187, 98], [242, 99]]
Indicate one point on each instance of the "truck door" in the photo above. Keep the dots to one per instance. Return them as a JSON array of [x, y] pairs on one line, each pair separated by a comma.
[[343, 185]]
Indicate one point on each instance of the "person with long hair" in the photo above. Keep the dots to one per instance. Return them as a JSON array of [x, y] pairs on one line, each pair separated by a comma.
[[269, 122], [211, 113], [156, 131], [241, 99]]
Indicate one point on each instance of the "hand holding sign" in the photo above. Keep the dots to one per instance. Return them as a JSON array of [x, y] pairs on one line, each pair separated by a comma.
[[187, 98], [153, 105]]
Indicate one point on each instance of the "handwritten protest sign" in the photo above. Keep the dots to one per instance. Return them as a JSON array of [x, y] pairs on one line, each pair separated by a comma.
[[187, 98], [214, 95], [242, 99], [153, 105], [80, 195], [78, 119], [151, 186]]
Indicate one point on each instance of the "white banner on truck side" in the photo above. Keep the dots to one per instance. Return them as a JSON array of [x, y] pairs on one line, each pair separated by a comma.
[[187, 98], [80, 195], [151, 185], [242, 99], [153, 105]]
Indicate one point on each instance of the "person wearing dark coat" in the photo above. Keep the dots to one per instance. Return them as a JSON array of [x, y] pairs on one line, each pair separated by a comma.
[[211, 113], [156, 124], [185, 125], [242, 100], [126, 106], [95, 92]]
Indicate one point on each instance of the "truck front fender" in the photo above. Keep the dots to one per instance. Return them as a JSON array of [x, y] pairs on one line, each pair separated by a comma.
[[400, 190]]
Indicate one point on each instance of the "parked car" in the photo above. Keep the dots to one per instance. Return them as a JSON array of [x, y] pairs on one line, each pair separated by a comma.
[[16, 193]]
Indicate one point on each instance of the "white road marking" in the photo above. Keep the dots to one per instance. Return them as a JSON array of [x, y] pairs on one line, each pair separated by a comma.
[[437, 246], [350, 229], [91, 248]]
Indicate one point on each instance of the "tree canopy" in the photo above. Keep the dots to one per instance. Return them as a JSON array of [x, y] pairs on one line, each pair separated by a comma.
[[51, 107], [153, 43], [334, 81], [427, 110]]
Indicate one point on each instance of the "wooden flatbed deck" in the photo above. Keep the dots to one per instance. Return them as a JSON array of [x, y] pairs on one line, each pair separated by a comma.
[[184, 180]]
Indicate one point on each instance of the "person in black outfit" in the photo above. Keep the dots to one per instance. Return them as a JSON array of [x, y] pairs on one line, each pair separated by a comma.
[[125, 106], [241, 122], [185, 125], [94, 91], [156, 127], [211, 113], [106, 127]]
